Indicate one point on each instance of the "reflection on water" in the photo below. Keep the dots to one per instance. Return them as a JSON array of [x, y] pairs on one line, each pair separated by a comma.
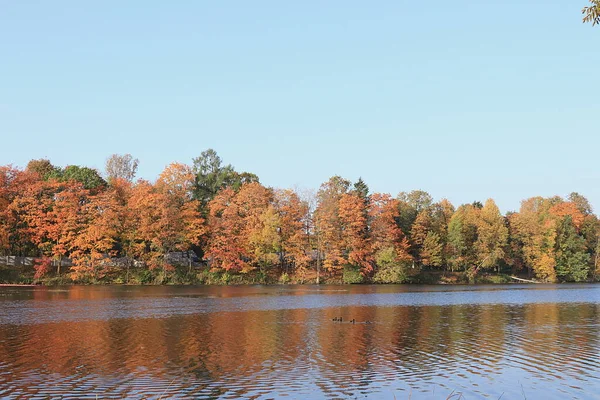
[[266, 342]]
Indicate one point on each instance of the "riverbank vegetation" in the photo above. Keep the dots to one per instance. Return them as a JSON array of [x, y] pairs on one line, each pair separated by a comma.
[[207, 223]]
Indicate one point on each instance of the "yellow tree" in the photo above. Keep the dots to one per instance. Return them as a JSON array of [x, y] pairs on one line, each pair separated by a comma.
[[462, 235], [242, 234], [260, 223], [328, 227], [431, 253], [441, 214], [492, 236], [92, 247], [535, 229], [420, 229], [265, 239], [295, 242]]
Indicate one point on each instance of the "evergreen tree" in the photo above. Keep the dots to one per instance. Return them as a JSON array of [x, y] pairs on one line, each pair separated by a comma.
[[361, 188]]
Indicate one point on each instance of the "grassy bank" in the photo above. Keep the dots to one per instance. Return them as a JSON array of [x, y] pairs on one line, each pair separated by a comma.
[[203, 276]]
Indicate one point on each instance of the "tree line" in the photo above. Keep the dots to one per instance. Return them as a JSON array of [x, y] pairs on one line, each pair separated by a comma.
[[239, 227]]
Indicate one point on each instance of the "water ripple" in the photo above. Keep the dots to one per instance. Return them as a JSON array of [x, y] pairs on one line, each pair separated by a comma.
[[417, 345]]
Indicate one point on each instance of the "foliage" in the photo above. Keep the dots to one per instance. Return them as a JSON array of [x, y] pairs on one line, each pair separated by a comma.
[[352, 275], [492, 236], [88, 177], [328, 225], [122, 167], [42, 266], [237, 231], [353, 221], [390, 269], [591, 13], [361, 189], [284, 278], [211, 176], [431, 254], [572, 261], [462, 236], [42, 167]]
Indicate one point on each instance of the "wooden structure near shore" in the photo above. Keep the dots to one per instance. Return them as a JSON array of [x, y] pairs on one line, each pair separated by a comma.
[[524, 280]]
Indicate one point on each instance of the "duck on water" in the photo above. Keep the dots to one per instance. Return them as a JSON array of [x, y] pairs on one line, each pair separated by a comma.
[[352, 321]]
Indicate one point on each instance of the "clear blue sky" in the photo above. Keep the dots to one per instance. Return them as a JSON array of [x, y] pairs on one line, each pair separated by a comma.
[[464, 99]]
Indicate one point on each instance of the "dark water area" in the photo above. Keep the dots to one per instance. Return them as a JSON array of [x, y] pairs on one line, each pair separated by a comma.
[[407, 342]]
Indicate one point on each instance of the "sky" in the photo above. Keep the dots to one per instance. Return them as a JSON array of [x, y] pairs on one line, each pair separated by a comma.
[[464, 99]]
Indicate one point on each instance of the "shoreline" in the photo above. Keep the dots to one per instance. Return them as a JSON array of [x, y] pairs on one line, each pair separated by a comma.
[[207, 278], [17, 284]]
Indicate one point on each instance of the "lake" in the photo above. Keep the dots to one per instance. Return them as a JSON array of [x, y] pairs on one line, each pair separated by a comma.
[[406, 342]]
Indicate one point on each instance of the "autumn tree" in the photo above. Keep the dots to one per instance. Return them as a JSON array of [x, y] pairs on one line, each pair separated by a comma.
[[389, 245], [581, 203], [294, 233], [121, 190], [261, 225], [42, 167], [243, 229], [21, 214], [328, 226], [165, 217], [431, 253], [564, 209], [418, 232], [441, 214], [462, 236], [492, 236], [409, 205], [55, 213], [50, 211], [122, 167], [309, 199], [353, 219], [176, 179], [92, 247], [7, 176], [225, 247], [14, 230], [535, 229], [181, 224]]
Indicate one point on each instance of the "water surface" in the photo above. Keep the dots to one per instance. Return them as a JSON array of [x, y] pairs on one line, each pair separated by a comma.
[[417, 342]]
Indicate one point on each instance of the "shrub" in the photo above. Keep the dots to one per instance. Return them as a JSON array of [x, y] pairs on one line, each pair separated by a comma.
[[352, 275], [145, 276], [42, 266], [389, 270], [284, 278], [391, 274]]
